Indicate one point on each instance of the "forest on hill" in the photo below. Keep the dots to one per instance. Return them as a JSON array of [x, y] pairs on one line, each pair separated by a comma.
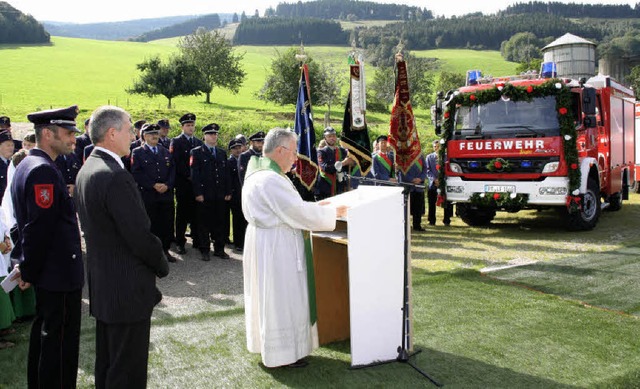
[[16, 27], [210, 22]]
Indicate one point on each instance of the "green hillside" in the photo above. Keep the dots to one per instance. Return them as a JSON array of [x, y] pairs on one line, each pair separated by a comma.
[[91, 73]]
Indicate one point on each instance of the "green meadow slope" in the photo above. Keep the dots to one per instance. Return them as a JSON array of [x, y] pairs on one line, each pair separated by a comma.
[[91, 73]]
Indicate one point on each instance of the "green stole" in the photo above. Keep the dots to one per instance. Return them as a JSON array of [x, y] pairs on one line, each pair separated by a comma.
[[257, 164]]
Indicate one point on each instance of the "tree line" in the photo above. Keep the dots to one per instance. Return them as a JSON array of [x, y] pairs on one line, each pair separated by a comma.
[[16, 27], [286, 31], [209, 22], [572, 10], [351, 9]]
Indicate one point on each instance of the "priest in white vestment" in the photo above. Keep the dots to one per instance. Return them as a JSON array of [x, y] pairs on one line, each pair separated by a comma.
[[275, 271]]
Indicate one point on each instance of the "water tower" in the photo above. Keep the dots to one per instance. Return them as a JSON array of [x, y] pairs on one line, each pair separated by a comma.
[[575, 56]]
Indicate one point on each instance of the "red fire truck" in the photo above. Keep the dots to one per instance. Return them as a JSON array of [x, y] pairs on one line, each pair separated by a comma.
[[534, 142]]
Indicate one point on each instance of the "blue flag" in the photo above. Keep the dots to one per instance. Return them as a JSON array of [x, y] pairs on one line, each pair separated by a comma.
[[307, 164]]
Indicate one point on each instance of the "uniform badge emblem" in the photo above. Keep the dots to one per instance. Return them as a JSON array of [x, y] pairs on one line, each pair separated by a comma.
[[44, 195]]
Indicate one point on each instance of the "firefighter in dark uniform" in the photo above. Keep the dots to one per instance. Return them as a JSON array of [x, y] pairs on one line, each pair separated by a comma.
[[126, 160], [5, 124], [69, 167], [256, 142], [6, 151], [210, 178], [235, 204], [164, 140], [50, 240], [180, 149], [82, 141], [154, 171], [330, 182]]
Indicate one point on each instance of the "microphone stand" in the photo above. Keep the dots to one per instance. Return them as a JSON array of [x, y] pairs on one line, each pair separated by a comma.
[[403, 353]]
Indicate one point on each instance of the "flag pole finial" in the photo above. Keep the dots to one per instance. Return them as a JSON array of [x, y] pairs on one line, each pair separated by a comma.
[[399, 55], [301, 55]]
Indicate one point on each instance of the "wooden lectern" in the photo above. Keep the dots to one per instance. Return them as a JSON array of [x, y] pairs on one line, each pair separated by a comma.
[[359, 274]]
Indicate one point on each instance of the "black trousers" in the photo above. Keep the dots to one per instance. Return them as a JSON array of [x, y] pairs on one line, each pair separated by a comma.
[[55, 340], [211, 224], [239, 223], [122, 354], [448, 209], [185, 212], [416, 200], [161, 216]]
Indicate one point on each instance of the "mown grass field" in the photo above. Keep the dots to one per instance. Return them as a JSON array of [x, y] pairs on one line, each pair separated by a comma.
[[569, 320], [93, 73]]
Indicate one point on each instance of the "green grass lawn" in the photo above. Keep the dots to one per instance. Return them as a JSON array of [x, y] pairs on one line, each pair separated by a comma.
[[569, 320]]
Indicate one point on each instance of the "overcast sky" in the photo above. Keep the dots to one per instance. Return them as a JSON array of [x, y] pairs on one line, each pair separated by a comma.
[[89, 11]]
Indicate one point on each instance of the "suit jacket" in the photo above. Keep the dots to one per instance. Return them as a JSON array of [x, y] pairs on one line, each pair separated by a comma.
[[209, 174], [432, 171], [47, 225], [234, 180], [123, 256], [82, 141], [149, 169], [180, 149], [69, 167], [244, 162]]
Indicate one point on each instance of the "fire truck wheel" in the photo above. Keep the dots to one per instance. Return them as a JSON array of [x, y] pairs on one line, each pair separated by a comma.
[[588, 216], [615, 202], [475, 216]]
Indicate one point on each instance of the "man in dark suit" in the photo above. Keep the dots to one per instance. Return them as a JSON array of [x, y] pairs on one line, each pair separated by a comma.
[[235, 204], [50, 240], [153, 169], [210, 179], [256, 142], [123, 256], [180, 149]]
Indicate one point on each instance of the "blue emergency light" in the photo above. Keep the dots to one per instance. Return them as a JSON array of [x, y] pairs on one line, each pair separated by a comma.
[[473, 76], [526, 164], [548, 70], [474, 164]]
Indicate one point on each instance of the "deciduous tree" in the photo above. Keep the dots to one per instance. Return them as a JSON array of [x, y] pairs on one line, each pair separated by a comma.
[[213, 56], [175, 78]]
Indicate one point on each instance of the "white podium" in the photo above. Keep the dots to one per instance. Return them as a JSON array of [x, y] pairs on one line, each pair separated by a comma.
[[359, 271]]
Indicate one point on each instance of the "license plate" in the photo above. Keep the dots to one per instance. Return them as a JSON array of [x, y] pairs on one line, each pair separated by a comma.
[[500, 188]]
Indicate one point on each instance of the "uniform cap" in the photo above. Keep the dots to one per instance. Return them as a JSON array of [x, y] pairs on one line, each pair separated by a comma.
[[150, 128], [211, 128], [329, 130], [163, 123], [382, 137], [62, 117], [5, 136], [187, 118], [241, 138], [235, 143], [258, 136], [139, 124], [4, 120]]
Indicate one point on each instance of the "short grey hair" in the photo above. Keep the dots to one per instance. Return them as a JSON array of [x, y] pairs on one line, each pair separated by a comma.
[[277, 137], [104, 118]]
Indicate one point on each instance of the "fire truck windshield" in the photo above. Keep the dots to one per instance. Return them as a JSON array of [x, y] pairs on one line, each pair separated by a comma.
[[508, 119]]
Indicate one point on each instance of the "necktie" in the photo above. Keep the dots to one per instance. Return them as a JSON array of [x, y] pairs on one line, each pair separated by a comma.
[[213, 151], [191, 141], [154, 150]]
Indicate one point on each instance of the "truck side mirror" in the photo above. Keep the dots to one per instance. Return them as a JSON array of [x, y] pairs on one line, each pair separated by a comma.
[[436, 113], [589, 121], [588, 101]]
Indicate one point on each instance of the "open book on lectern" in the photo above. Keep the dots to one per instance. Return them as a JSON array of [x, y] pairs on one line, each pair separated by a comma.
[[375, 235]]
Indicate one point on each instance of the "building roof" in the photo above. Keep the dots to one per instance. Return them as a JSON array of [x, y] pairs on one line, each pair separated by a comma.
[[568, 39]]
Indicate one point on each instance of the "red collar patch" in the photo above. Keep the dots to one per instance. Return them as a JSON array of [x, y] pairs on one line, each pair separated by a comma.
[[44, 195]]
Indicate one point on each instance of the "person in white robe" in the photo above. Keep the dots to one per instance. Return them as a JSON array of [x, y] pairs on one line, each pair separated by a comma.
[[275, 270]]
